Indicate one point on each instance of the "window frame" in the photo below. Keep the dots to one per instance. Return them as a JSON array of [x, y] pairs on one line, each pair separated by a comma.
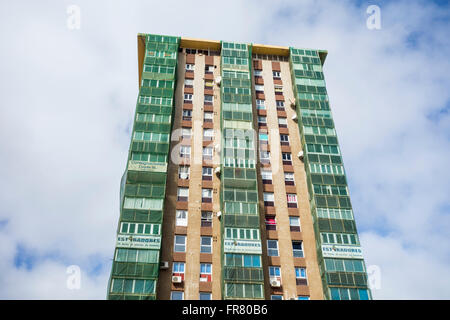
[[181, 222], [302, 255], [267, 195], [208, 101], [294, 227], [188, 98], [208, 247], [209, 175], [175, 244], [290, 202], [299, 279], [205, 221], [207, 199], [269, 249], [176, 292], [270, 222], [182, 197]]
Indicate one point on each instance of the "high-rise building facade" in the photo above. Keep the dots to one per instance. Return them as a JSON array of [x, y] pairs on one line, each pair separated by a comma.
[[234, 186]]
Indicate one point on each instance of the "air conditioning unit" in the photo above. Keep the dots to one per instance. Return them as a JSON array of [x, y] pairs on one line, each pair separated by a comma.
[[164, 265], [217, 170], [294, 117], [300, 155], [219, 213], [218, 80], [274, 282], [176, 279], [217, 147]]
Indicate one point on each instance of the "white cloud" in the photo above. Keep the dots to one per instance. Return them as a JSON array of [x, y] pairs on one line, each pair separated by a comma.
[[67, 99]]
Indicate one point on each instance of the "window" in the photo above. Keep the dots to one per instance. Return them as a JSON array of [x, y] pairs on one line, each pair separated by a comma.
[[275, 272], [180, 243], [132, 286], [206, 244], [187, 115], [183, 194], [291, 200], [208, 134], [289, 178], [181, 218], [207, 117], [276, 74], [158, 83], [190, 67], [280, 105], [183, 172], [262, 120], [259, 88], [242, 260], [177, 295], [209, 84], [241, 233], [209, 69], [300, 276], [272, 248], [208, 99], [284, 139], [207, 153], [347, 265], [282, 122], [136, 255], [188, 98], [294, 223], [349, 294], [139, 228], [206, 220], [142, 203], [205, 272], [287, 158], [205, 296], [271, 223], [268, 199], [188, 83], [260, 104], [278, 89], [185, 151], [264, 156], [186, 133], [207, 195], [340, 238], [207, 173], [263, 138], [178, 269], [257, 73], [276, 297], [297, 248], [151, 136], [266, 176]]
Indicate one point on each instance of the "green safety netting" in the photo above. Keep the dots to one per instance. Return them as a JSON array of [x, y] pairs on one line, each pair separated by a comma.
[[143, 190], [327, 191]]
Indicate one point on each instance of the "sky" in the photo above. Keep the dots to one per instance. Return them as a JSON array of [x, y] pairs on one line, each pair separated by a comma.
[[67, 99]]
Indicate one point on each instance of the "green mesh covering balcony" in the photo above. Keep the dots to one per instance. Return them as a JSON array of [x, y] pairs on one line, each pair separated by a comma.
[[242, 273], [339, 253], [135, 269]]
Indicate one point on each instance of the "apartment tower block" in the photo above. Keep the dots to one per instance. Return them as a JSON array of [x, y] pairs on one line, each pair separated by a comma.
[[234, 186]]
